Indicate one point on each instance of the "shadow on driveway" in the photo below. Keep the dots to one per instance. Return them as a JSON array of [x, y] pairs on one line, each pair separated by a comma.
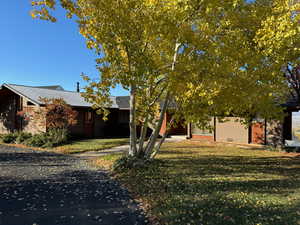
[[53, 189]]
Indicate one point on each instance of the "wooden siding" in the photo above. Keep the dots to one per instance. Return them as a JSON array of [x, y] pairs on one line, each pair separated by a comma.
[[8, 111]]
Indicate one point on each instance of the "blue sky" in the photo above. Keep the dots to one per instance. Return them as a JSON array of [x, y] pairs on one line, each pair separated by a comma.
[[34, 52]]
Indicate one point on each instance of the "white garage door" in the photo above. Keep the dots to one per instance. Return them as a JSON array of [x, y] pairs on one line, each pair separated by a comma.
[[231, 131]]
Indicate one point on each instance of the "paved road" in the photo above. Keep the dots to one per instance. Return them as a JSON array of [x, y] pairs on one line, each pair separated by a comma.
[[39, 188]]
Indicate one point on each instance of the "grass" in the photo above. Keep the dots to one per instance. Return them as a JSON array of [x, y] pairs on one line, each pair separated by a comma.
[[82, 146], [209, 184], [106, 162]]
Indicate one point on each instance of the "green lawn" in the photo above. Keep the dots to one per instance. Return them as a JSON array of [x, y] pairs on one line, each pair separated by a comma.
[[206, 184], [81, 146]]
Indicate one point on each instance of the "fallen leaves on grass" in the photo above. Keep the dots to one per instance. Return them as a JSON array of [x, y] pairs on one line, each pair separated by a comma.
[[196, 183], [82, 146]]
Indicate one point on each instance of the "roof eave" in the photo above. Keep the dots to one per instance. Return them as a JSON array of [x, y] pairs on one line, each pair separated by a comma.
[[20, 94]]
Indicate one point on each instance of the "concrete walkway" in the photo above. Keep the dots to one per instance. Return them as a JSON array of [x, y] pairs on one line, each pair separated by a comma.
[[119, 149]]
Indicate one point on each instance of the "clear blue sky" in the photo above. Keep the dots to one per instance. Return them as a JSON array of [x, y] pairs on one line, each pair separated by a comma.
[[34, 52]]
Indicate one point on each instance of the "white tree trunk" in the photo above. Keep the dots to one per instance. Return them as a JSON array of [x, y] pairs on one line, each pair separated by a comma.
[[155, 134], [157, 148], [132, 121], [150, 152], [143, 135]]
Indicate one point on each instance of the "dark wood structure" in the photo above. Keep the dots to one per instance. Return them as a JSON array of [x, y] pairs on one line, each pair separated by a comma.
[[16, 98]]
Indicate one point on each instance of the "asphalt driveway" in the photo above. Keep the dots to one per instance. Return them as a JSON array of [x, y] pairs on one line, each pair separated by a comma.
[[41, 188]]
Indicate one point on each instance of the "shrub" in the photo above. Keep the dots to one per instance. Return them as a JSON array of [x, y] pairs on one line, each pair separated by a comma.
[[58, 114], [17, 137], [52, 138], [129, 162], [9, 138], [37, 140], [22, 137], [58, 136]]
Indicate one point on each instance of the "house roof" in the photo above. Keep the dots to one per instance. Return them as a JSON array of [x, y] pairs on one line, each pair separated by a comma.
[[74, 99], [123, 102], [54, 87]]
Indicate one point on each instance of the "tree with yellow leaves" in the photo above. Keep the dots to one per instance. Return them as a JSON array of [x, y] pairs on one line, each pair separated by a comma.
[[199, 55]]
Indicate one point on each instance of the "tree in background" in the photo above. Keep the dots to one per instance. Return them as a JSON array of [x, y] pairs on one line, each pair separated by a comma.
[[58, 114], [293, 78], [279, 38], [200, 56]]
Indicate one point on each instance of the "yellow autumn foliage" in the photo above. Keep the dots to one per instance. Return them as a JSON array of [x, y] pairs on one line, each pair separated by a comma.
[[229, 60]]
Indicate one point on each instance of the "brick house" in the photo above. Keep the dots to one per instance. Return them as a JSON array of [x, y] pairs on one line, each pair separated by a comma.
[[15, 98]]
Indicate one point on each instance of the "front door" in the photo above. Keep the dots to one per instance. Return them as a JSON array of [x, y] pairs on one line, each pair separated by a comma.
[[89, 124]]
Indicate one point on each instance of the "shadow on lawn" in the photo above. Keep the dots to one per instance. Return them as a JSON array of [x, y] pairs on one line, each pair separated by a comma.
[[220, 210], [222, 190]]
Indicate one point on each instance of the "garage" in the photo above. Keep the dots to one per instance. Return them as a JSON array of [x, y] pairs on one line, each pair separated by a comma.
[[232, 131]]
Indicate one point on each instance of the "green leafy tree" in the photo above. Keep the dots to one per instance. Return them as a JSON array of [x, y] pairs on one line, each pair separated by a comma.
[[200, 56], [279, 39]]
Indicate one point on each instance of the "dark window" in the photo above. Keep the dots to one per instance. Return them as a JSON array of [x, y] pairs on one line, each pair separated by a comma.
[[20, 104], [88, 117], [123, 117]]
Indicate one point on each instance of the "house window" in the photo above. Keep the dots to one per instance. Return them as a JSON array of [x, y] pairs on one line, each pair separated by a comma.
[[20, 107], [88, 117], [123, 117], [200, 131]]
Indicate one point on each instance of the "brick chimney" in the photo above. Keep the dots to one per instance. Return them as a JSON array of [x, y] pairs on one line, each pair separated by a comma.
[[78, 87]]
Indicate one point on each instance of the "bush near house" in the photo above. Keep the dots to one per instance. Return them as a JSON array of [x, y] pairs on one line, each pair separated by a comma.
[[9, 138], [52, 138], [59, 116], [16, 138], [22, 137]]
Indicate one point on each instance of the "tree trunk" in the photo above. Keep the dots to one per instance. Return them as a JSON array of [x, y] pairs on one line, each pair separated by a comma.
[[154, 137], [150, 147], [143, 136], [132, 121], [189, 129], [157, 148]]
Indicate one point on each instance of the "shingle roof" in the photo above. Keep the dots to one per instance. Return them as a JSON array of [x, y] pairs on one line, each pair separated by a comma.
[[72, 98]]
